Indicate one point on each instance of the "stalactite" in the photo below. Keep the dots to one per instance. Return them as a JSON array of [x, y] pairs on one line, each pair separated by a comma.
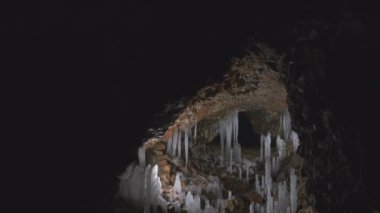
[[141, 155], [186, 146], [169, 145], [261, 147], [267, 144], [222, 139], [179, 143], [295, 141], [175, 141], [195, 131], [286, 124], [280, 147]]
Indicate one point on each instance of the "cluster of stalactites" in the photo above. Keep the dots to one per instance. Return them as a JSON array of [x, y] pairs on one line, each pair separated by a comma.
[[289, 134], [141, 184], [286, 199], [190, 197], [229, 145], [174, 144]]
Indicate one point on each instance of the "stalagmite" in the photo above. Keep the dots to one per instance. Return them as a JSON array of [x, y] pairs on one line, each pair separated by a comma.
[[177, 184], [220, 207], [155, 186], [197, 203], [275, 207], [214, 187], [282, 196], [162, 203], [268, 177], [247, 165], [257, 184], [229, 195], [293, 191], [186, 146], [189, 201], [269, 201], [237, 152], [177, 207], [240, 173], [142, 186], [251, 208], [208, 208], [230, 167], [288, 209], [257, 208]]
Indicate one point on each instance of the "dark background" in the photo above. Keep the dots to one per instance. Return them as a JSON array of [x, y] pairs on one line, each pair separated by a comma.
[[90, 76]]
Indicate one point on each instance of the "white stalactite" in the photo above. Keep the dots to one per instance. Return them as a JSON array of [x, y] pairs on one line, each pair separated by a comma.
[[267, 142], [261, 147], [141, 154], [186, 146], [229, 133], [179, 143], [175, 141], [195, 131], [295, 141], [169, 145], [235, 123], [286, 124], [281, 148], [222, 139]]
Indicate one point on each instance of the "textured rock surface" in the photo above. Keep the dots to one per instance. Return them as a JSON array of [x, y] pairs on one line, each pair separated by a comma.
[[254, 83]]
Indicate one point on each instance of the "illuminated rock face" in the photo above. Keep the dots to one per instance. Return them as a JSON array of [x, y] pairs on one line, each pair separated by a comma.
[[199, 158]]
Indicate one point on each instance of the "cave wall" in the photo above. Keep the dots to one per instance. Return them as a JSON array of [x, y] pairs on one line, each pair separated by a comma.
[[328, 111]]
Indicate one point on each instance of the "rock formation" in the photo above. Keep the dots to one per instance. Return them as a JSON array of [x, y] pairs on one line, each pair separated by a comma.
[[200, 160]]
